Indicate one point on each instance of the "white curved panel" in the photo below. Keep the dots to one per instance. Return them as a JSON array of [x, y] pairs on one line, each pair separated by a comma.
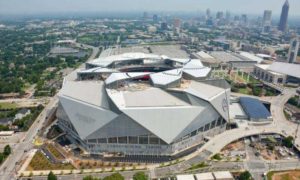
[[84, 117]]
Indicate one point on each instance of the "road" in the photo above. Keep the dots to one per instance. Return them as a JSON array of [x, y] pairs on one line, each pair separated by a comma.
[[8, 170]]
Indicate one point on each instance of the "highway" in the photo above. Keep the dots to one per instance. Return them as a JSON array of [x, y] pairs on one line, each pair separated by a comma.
[[8, 170]]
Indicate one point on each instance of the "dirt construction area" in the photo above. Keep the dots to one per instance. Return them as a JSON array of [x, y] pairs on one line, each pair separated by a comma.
[[234, 151], [289, 175]]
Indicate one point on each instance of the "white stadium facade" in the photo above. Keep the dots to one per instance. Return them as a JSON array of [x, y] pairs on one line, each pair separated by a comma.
[[142, 104]]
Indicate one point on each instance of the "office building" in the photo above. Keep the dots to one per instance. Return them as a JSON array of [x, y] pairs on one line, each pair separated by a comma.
[[293, 50], [267, 18], [283, 23]]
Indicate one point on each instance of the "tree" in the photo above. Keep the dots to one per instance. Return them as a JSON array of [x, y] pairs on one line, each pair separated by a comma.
[[245, 176], [115, 176], [140, 176], [7, 150], [288, 141], [89, 177], [1, 158], [51, 176]]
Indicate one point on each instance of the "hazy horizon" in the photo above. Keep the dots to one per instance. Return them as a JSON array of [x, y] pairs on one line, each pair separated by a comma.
[[83, 6]]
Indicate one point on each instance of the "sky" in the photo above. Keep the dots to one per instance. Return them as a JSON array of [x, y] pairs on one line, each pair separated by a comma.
[[80, 6]]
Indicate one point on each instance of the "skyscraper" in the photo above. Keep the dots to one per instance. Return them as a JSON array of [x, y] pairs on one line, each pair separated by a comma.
[[145, 15], [284, 16], [293, 51], [176, 23], [267, 17], [155, 18], [228, 16], [220, 15], [208, 13], [244, 19]]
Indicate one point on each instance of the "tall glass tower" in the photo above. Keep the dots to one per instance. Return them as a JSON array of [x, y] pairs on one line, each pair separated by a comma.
[[284, 16]]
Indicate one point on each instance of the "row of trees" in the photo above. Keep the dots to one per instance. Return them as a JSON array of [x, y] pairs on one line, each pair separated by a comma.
[[115, 176], [25, 123], [6, 152]]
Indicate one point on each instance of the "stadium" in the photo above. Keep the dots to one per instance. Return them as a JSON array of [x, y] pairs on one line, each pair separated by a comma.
[[142, 104]]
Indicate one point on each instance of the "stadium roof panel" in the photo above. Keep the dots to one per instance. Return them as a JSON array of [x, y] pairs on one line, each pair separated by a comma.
[[197, 72], [152, 97], [166, 77], [193, 63], [204, 91], [90, 92]]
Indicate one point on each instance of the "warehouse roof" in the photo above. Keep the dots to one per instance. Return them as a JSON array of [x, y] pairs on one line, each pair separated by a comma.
[[223, 175], [185, 177], [205, 176], [286, 68]]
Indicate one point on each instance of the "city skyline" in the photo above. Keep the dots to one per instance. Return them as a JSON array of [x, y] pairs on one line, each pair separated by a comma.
[[79, 6]]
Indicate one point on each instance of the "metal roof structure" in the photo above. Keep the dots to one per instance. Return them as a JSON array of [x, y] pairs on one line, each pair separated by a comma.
[[166, 77], [205, 176], [251, 57], [138, 103], [97, 70], [197, 72], [185, 177], [223, 175], [254, 108], [285, 68]]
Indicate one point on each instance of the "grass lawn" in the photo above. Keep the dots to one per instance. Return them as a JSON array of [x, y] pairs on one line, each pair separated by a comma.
[[40, 162], [198, 166], [54, 152], [287, 115], [245, 77], [4, 105], [244, 91]]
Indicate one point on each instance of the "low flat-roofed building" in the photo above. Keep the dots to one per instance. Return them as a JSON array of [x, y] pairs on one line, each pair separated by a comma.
[[264, 56], [185, 177], [236, 111], [255, 109], [262, 72], [205, 176], [251, 57], [223, 175], [233, 60], [292, 71], [207, 59], [6, 133]]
